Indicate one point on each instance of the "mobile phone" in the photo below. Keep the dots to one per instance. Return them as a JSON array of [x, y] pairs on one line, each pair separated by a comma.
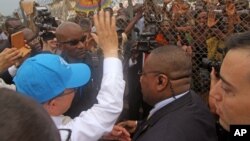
[[17, 41]]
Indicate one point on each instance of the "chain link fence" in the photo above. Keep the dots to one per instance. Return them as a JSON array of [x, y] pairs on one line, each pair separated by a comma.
[[200, 27]]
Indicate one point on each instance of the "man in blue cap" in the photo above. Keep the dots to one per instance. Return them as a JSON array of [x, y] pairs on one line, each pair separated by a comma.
[[51, 81]]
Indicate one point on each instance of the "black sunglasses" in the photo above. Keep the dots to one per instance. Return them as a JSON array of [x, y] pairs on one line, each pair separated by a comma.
[[75, 41]]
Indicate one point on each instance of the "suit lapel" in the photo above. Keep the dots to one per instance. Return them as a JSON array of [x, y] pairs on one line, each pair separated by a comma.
[[142, 127], [146, 124]]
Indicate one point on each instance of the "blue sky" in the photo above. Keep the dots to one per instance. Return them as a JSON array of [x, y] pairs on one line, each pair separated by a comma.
[[8, 6]]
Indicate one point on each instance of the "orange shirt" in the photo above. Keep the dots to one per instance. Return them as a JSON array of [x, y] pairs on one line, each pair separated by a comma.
[[161, 39]]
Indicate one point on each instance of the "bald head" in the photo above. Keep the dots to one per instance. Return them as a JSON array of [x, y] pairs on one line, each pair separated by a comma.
[[173, 61], [166, 72], [67, 29], [28, 34]]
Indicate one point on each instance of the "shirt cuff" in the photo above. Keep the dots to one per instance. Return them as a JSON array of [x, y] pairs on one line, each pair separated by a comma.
[[12, 70], [112, 65]]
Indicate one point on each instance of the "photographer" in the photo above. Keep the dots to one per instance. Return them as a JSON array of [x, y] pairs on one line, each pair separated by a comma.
[[229, 94], [49, 42], [46, 26]]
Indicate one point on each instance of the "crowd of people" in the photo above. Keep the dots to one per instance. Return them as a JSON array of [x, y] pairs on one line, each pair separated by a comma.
[[91, 78]]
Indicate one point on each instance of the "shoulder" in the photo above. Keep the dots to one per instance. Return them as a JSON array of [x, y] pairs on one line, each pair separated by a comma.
[[188, 121]]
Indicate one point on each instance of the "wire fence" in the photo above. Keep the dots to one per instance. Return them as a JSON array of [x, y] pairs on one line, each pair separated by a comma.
[[201, 26]]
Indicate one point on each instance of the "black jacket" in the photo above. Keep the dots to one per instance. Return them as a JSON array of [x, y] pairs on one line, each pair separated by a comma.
[[185, 119], [85, 96]]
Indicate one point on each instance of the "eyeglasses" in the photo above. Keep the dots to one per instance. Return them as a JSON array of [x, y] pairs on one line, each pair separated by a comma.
[[75, 41], [65, 134], [70, 91]]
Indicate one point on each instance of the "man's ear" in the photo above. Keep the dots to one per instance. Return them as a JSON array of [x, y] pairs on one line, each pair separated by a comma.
[[50, 106], [162, 82]]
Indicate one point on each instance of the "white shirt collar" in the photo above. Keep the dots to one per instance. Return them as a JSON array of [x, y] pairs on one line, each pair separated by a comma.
[[61, 120], [165, 102]]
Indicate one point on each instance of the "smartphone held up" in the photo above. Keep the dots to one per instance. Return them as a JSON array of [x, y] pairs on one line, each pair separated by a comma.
[[17, 41]]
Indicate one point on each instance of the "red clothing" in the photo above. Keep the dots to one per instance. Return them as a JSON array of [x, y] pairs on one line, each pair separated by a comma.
[[161, 39]]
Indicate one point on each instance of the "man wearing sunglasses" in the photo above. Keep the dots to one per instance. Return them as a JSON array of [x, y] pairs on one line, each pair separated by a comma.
[[73, 42], [51, 81]]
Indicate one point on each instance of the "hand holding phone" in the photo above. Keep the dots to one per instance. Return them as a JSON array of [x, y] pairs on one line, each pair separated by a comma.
[[17, 41]]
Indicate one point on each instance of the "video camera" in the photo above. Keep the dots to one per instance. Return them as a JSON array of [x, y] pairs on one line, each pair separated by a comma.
[[43, 19], [153, 18], [146, 40], [208, 64]]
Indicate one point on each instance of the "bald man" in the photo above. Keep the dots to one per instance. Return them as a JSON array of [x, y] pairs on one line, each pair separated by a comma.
[[33, 41], [178, 114], [72, 41]]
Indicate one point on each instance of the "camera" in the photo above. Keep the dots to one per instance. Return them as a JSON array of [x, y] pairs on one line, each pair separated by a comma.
[[146, 40], [208, 64], [153, 18], [43, 19]]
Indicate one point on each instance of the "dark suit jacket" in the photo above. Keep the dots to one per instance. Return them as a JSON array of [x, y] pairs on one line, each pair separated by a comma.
[[185, 119], [85, 96]]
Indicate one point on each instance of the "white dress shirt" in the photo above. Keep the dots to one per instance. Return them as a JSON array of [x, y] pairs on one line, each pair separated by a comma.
[[8, 86], [165, 102], [90, 125]]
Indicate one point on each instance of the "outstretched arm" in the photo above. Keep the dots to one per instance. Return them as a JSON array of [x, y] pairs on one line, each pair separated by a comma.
[[100, 119]]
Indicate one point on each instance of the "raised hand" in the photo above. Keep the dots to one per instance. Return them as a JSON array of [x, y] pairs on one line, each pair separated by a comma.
[[211, 21], [9, 57], [230, 8], [106, 36]]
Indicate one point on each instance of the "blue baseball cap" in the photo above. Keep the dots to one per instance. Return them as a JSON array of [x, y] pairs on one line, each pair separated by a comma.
[[46, 76]]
